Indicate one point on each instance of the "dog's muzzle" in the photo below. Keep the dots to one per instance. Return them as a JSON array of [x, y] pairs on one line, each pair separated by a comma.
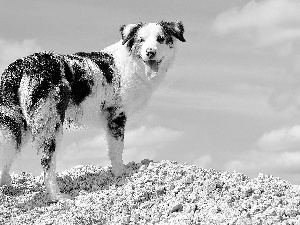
[[153, 64], [150, 52]]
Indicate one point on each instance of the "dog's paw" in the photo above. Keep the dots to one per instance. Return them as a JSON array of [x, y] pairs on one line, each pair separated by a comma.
[[118, 171]]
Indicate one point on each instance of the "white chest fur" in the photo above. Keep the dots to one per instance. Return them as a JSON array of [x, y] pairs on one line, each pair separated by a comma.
[[137, 81]]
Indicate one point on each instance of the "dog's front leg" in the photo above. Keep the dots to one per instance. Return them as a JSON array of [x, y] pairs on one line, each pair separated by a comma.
[[115, 139]]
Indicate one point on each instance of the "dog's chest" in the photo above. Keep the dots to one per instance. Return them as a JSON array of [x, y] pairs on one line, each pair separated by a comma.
[[136, 90], [136, 83]]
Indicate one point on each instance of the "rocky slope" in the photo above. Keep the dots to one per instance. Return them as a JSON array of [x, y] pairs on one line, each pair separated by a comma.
[[152, 193]]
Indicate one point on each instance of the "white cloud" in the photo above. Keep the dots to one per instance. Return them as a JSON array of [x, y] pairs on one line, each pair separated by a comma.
[[83, 151], [267, 22], [273, 25], [282, 139], [276, 152], [146, 143], [154, 136], [12, 50], [203, 161], [285, 165]]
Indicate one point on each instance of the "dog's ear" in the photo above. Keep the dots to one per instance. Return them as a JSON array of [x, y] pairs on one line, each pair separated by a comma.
[[175, 29], [129, 31]]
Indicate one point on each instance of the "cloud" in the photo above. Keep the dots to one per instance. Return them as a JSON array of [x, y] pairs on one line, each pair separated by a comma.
[[276, 152], [287, 138], [285, 165], [154, 136], [146, 143], [81, 151], [140, 143], [267, 22], [272, 25], [12, 50], [203, 161]]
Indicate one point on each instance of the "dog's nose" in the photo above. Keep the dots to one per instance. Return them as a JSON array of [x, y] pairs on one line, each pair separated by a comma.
[[150, 52]]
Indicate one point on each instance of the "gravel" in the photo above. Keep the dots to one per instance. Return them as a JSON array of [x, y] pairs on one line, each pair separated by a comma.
[[163, 192]]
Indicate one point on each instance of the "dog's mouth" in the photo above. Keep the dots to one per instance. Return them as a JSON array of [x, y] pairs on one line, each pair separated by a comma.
[[153, 64]]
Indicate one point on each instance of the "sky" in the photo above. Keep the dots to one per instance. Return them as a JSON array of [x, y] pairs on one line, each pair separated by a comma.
[[230, 102]]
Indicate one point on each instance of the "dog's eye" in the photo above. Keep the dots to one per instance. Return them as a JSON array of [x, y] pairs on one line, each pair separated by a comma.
[[160, 39], [169, 41]]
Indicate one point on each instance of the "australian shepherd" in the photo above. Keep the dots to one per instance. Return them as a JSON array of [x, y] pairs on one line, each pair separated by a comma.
[[42, 92]]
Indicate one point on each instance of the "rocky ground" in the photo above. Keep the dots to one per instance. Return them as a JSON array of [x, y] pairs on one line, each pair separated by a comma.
[[152, 193]]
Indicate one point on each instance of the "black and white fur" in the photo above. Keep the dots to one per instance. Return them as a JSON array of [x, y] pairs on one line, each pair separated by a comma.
[[42, 92]]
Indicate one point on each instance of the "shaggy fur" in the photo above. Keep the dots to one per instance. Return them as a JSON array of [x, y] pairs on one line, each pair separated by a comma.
[[42, 92]]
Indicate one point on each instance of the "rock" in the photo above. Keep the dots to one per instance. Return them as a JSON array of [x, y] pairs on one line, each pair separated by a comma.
[[152, 193], [176, 208]]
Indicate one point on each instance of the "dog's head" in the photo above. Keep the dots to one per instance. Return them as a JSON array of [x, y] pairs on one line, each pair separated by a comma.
[[152, 42]]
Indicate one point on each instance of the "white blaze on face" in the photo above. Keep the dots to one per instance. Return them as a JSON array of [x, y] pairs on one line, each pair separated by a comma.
[[148, 40], [148, 37]]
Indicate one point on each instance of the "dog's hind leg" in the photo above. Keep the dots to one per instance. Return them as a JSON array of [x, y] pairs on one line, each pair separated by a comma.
[[46, 126], [47, 139], [12, 129], [115, 139], [8, 150], [48, 162]]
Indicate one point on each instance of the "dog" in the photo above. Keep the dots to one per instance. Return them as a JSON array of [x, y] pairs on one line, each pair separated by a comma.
[[43, 92]]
